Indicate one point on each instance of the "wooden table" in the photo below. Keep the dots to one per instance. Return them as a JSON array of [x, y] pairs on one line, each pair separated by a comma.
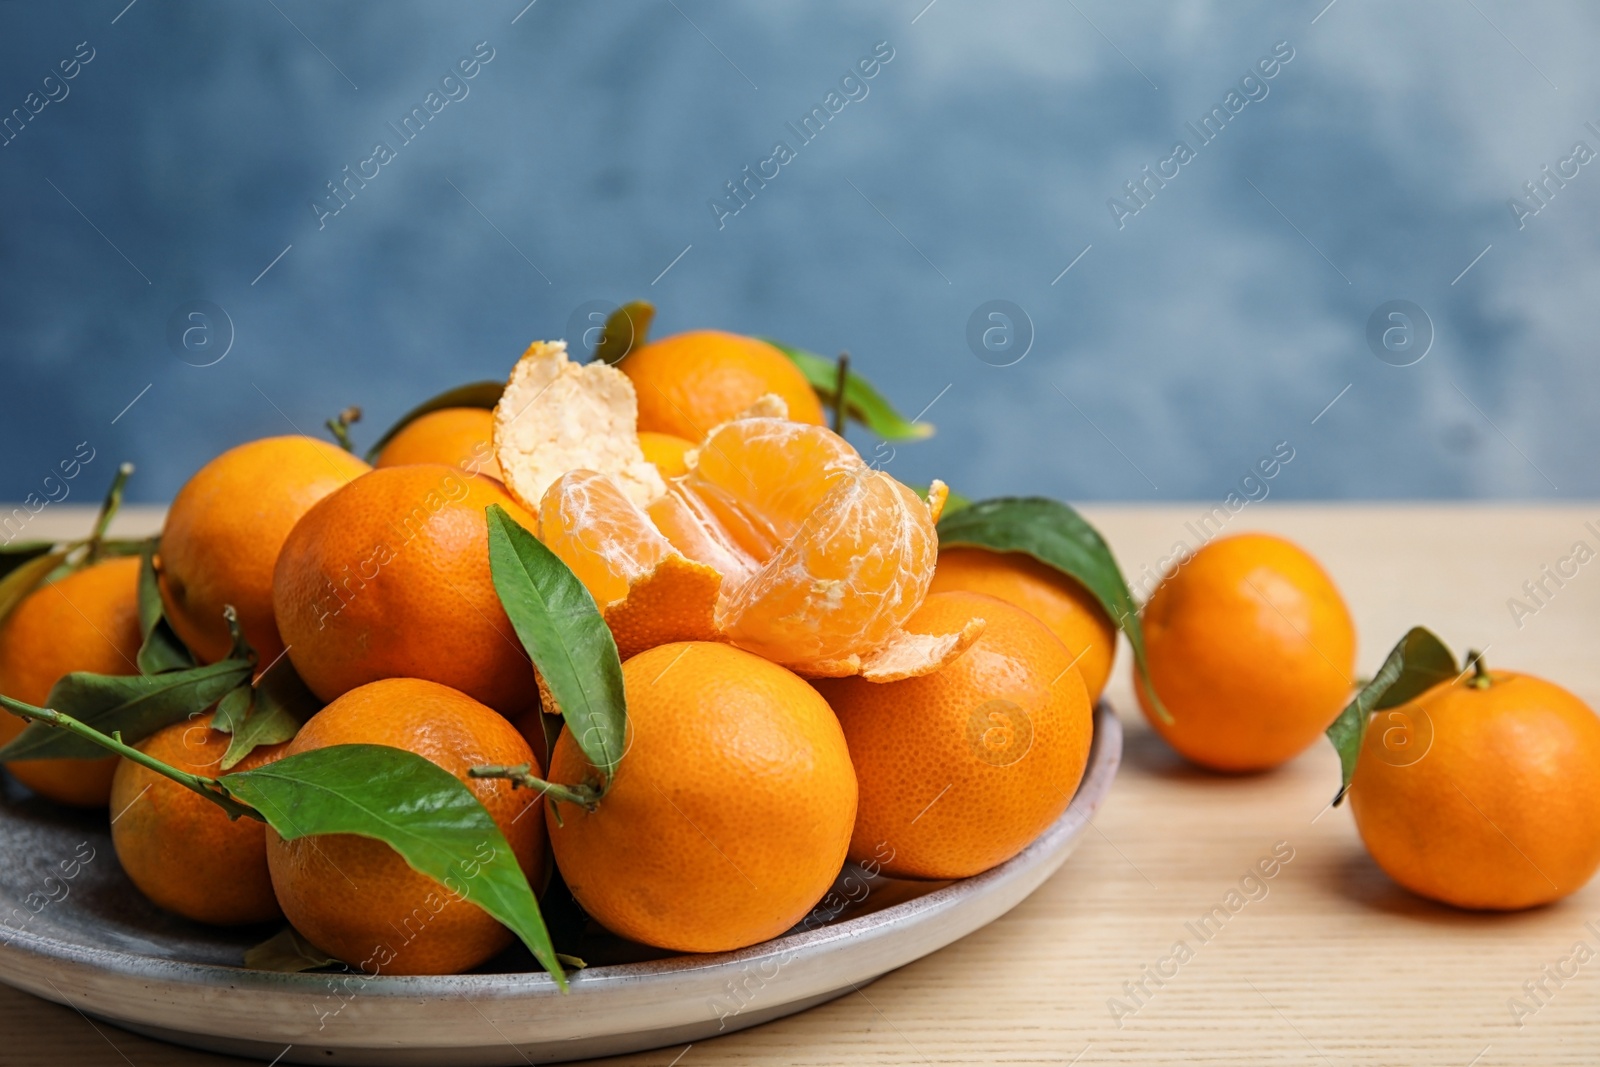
[[1335, 965]]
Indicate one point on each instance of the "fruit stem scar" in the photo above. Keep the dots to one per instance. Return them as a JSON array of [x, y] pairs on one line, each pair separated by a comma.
[[585, 796], [1480, 673], [209, 788]]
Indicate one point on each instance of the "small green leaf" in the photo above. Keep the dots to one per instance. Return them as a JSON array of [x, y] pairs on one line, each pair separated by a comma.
[[15, 553], [864, 403], [473, 395], [134, 705], [1416, 664], [233, 709], [562, 629], [162, 649], [268, 712], [1057, 536], [415, 807], [626, 328], [287, 952], [267, 724], [25, 578]]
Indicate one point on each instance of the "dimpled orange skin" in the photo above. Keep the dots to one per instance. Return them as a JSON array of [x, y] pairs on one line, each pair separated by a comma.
[[224, 530], [389, 578], [1503, 809], [731, 809], [961, 769], [181, 850], [1067, 608], [1252, 651], [87, 621], [690, 382], [458, 437], [666, 452], [355, 897]]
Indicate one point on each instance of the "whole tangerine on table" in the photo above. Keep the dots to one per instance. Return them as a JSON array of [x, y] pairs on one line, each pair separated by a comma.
[[1252, 650], [1501, 809], [389, 578], [223, 533], [1070, 611], [457, 437], [961, 769], [690, 382], [355, 897], [180, 849], [731, 809], [86, 621]]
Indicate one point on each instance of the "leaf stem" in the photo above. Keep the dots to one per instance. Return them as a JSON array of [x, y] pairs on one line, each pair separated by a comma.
[[584, 796], [340, 425], [108, 511], [840, 408], [1480, 672], [209, 788]]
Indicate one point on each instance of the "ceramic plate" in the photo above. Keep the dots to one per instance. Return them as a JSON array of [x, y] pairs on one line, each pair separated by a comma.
[[74, 930]]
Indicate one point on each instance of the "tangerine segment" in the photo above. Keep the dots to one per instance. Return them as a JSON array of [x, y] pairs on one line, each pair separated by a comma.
[[648, 592], [763, 477], [587, 520], [556, 416], [842, 586], [779, 540]]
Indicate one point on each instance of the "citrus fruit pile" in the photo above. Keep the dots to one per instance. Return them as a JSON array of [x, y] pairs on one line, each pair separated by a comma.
[[645, 634]]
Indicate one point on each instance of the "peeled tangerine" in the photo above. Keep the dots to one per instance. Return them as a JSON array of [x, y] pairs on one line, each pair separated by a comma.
[[779, 538]]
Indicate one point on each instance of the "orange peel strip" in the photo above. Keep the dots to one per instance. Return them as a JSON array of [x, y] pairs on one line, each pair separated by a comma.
[[557, 416]]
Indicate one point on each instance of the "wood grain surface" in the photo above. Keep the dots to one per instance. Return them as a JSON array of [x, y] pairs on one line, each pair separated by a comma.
[[1333, 965]]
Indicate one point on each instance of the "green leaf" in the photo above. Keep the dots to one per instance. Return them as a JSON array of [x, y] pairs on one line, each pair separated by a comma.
[[1057, 536], [626, 328], [268, 712], [267, 724], [162, 649], [415, 807], [25, 578], [134, 705], [16, 553], [569, 642], [1416, 664], [473, 395], [233, 709], [864, 403], [287, 952]]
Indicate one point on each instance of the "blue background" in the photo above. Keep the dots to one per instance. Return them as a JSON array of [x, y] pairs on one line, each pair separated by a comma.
[[1220, 320]]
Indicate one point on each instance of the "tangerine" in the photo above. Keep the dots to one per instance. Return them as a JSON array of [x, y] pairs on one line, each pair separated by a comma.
[[779, 539], [666, 452], [1252, 651], [690, 382], [355, 897], [730, 812], [86, 621], [457, 437], [1501, 810], [223, 533], [389, 578], [1060, 602], [180, 849], [962, 768]]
